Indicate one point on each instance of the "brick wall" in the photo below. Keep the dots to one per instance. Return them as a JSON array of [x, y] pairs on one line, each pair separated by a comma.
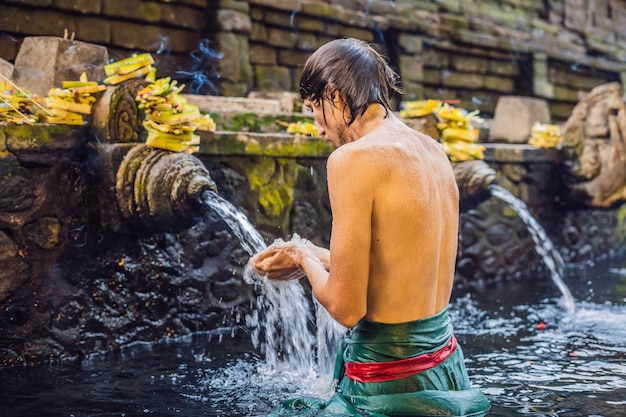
[[473, 51]]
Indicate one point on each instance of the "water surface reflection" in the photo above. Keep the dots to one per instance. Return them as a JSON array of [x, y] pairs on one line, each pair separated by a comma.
[[530, 356]]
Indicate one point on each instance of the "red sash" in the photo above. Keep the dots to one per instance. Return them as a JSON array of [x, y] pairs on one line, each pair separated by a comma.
[[402, 368]]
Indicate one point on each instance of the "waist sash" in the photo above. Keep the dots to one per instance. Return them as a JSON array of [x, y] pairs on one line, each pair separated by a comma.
[[401, 368]]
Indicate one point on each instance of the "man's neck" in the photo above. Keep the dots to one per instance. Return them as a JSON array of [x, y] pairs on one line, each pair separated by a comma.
[[372, 119]]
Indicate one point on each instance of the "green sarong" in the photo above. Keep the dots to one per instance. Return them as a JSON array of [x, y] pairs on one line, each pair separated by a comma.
[[442, 390]]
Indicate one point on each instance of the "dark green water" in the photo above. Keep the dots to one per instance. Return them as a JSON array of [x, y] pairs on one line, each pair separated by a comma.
[[575, 366]]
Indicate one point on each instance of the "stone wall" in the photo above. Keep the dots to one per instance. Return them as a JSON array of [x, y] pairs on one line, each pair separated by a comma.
[[472, 51]]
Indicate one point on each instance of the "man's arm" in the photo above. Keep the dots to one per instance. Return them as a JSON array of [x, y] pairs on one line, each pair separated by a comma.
[[343, 289]]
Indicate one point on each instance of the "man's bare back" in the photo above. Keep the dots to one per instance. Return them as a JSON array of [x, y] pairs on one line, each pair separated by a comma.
[[414, 222], [393, 246]]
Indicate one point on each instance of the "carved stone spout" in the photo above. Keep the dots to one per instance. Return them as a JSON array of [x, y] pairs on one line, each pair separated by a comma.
[[594, 149], [473, 179], [115, 117], [161, 190]]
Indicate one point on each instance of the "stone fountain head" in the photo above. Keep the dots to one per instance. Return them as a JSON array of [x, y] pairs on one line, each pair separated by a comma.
[[473, 179], [159, 190]]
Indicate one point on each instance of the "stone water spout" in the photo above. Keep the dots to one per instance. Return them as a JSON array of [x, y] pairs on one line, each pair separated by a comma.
[[159, 190], [473, 179]]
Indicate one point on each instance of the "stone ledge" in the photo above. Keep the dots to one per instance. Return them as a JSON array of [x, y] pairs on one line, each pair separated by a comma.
[[233, 104], [504, 152], [263, 144]]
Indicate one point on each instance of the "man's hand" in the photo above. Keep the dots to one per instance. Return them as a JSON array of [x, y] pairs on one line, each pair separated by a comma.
[[278, 261]]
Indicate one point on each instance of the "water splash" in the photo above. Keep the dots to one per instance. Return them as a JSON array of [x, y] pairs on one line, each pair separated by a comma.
[[282, 323], [543, 245]]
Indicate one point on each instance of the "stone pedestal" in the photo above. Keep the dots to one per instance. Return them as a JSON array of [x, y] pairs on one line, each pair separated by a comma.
[[514, 118], [44, 62]]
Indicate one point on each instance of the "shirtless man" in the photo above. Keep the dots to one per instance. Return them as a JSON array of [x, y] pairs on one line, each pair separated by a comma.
[[390, 268]]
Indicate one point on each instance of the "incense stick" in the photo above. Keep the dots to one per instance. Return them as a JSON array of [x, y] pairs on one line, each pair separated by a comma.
[[27, 95]]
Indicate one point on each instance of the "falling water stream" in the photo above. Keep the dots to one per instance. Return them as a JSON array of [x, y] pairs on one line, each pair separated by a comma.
[[543, 245], [282, 323], [529, 355]]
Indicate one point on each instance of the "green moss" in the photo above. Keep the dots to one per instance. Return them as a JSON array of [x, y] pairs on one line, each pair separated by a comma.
[[274, 179], [255, 123], [297, 146], [45, 136]]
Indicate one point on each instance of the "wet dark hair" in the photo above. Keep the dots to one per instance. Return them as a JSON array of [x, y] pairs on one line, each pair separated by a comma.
[[351, 66]]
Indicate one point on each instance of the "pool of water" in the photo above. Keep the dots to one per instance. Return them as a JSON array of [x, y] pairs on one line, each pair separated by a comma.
[[531, 356]]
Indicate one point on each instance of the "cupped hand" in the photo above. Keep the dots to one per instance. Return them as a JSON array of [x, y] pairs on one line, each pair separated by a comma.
[[278, 262]]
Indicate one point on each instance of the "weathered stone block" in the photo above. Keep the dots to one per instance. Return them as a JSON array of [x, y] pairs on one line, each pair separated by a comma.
[[288, 101], [241, 6], [37, 2], [434, 58], [6, 69], [578, 79], [500, 84], [403, 23], [258, 32], [469, 63], [233, 21], [411, 68], [82, 6], [296, 76], [273, 78], [94, 30], [257, 14], [412, 90], [326, 11], [185, 17], [36, 22], [514, 118], [575, 14], [462, 79], [45, 62], [278, 18], [499, 67], [303, 23], [567, 94], [379, 7], [455, 21], [152, 37], [353, 32], [140, 10], [262, 54], [235, 66], [282, 38], [478, 38], [432, 76], [278, 4], [411, 44], [233, 89], [210, 104], [307, 41], [561, 111], [292, 58], [543, 88], [452, 6]]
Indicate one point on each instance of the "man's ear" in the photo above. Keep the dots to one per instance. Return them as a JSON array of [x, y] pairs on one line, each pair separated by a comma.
[[340, 103], [338, 100]]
